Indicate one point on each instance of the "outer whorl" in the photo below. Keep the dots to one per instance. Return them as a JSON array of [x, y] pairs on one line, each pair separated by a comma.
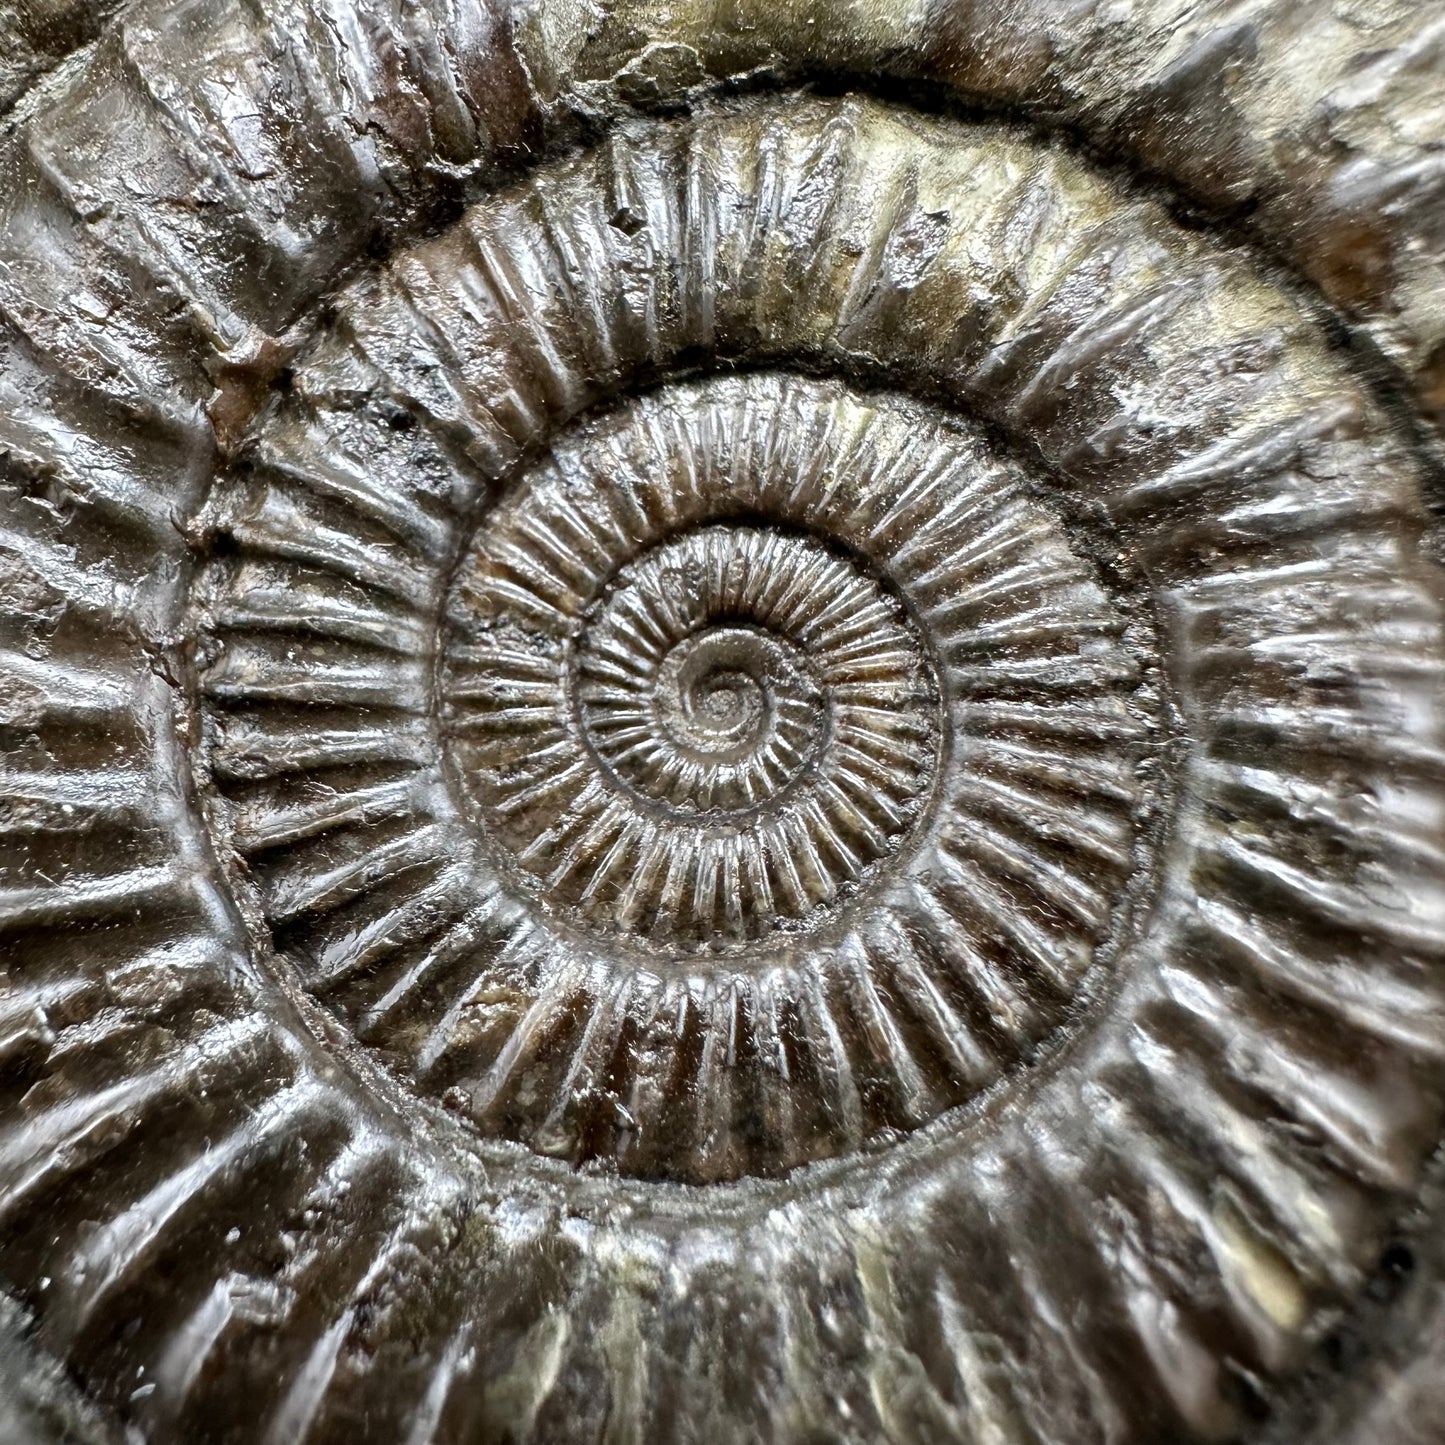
[[688, 758]]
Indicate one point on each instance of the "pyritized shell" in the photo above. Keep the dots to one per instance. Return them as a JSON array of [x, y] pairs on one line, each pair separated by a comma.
[[706, 942], [790, 786]]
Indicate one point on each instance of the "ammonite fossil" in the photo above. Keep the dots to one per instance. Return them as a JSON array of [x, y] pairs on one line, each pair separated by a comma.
[[722, 722]]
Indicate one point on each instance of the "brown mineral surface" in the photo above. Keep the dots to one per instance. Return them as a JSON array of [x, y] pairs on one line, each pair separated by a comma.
[[722, 722]]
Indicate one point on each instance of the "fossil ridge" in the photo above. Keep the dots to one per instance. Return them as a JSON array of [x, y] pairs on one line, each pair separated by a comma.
[[721, 719]]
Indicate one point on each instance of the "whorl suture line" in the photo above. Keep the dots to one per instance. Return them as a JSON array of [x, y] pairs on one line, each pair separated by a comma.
[[721, 725]]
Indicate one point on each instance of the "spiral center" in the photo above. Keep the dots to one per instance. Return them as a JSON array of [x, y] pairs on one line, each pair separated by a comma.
[[721, 692], [725, 736], [772, 722], [721, 664]]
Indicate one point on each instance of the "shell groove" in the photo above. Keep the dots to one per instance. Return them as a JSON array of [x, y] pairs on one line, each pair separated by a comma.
[[1253, 507], [892, 872], [1187, 989]]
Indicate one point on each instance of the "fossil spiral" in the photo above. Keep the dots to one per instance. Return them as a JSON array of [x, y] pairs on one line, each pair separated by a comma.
[[689, 757]]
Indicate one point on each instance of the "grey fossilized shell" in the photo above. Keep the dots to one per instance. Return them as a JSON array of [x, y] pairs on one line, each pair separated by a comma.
[[794, 760], [700, 759]]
